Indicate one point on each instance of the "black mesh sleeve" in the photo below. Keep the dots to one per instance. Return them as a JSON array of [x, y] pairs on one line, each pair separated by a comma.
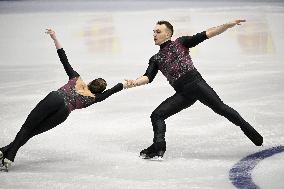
[[68, 68], [102, 96], [151, 71], [192, 41]]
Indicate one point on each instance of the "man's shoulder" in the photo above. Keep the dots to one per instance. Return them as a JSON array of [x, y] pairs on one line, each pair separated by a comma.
[[155, 57], [181, 39]]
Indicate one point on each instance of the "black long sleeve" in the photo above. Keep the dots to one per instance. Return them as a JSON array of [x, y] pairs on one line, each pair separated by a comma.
[[192, 41], [102, 96], [68, 68], [151, 71]]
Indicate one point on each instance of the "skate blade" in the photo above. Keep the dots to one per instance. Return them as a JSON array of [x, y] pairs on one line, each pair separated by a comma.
[[142, 156], [155, 158], [4, 169]]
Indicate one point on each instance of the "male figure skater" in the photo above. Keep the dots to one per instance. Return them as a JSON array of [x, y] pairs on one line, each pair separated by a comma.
[[174, 61]]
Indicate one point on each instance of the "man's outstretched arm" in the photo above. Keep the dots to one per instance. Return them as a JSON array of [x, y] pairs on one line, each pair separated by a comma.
[[211, 32], [148, 77]]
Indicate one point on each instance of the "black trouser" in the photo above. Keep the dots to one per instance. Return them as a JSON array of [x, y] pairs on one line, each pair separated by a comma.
[[48, 113], [184, 98]]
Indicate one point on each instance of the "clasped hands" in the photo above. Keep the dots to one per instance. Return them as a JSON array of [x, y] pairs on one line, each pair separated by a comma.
[[128, 83]]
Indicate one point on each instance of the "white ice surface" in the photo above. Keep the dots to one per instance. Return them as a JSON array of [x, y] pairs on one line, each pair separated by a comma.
[[98, 147]]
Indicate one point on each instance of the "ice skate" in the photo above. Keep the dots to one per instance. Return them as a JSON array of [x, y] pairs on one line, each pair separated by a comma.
[[154, 152], [6, 164], [252, 134]]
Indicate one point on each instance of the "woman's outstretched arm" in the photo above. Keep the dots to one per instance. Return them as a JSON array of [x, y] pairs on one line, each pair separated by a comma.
[[107, 93], [62, 56]]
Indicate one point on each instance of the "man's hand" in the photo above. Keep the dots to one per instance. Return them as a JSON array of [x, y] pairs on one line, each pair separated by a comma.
[[211, 32], [129, 83], [235, 22]]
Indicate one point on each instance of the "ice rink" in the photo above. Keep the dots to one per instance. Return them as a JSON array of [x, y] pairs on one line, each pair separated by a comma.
[[98, 147]]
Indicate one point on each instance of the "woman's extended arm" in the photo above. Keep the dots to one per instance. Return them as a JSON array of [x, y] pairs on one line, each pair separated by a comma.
[[102, 96], [62, 56]]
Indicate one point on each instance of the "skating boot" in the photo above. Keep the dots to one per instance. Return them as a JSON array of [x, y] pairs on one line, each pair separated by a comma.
[[252, 134], [155, 151]]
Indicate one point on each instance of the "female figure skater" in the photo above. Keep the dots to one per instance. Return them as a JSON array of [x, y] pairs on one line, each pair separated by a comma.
[[57, 105]]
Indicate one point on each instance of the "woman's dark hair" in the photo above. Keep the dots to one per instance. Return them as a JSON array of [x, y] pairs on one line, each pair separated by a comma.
[[97, 85], [168, 25]]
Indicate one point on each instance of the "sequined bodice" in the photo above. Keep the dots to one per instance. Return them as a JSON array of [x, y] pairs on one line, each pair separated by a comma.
[[72, 99]]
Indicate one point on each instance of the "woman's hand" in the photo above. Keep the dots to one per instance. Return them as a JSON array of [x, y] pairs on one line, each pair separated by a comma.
[[128, 83], [53, 36], [51, 33]]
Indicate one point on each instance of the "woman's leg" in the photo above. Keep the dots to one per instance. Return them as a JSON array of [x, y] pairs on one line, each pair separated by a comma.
[[41, 113], [59, 117], [5, 149]]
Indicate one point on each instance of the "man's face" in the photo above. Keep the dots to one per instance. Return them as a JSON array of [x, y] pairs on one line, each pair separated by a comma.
[[161, 34]]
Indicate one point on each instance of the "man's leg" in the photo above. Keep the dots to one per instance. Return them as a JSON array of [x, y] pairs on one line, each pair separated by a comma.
[[169, 107], [206, 95]]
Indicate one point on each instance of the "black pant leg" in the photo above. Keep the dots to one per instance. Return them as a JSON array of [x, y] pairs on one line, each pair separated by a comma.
[[54, 120], [167, 108], [44, 109], [206, 95]]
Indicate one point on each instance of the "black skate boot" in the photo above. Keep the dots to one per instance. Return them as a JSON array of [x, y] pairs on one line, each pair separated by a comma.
[[4, 150], [252, 134], [155, 151]]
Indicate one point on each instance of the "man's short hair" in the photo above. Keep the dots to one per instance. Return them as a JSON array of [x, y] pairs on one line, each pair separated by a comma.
[[168, 25]]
